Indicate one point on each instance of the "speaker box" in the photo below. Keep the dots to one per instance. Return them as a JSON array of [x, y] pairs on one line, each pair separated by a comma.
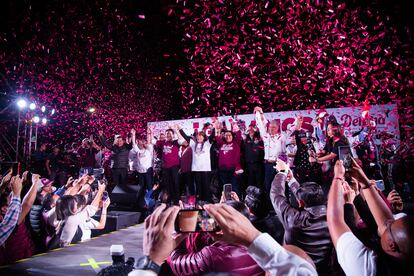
[[128, 197], [116, 220]]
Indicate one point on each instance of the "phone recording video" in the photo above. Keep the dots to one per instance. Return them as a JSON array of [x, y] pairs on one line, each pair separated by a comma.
[[227, 188], [105, 195], [380, 185], [189, 221], [345, 154]]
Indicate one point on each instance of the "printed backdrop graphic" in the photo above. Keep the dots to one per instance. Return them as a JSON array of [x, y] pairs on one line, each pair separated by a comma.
[[385, 116]]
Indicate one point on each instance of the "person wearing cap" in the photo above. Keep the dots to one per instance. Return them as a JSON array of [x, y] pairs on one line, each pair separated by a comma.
[[45, 187], [253, 149]]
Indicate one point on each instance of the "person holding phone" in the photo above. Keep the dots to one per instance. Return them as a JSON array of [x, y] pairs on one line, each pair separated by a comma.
[[200, 253]]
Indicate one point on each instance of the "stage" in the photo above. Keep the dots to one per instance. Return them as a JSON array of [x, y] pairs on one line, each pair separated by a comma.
[[86, 258]]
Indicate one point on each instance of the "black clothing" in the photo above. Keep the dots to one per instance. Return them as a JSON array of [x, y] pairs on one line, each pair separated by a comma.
[[120, 155]]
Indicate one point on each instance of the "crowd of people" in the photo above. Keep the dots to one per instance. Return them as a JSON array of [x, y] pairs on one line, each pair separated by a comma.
[[279, 182]]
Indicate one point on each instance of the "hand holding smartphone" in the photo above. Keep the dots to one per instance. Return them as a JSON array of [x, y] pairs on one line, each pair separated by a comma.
[[227, 188], [345, 154], [196, 220]]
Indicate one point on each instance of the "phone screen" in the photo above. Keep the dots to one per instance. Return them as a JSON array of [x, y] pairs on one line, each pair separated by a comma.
[[227, 191], [380, 184], [345, 154], [104, 195], [189, 221]]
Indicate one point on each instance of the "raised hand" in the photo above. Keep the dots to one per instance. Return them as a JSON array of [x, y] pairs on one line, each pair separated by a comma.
[[348, 192], [16, 185], [281, 165], [339, 169], [235, 227], [159, 241]]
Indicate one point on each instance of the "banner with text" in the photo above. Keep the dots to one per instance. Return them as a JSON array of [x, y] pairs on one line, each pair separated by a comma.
[[385, 116]]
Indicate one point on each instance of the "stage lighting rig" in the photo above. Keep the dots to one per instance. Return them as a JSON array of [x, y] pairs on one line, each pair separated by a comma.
[[22, 103], [32, 106]]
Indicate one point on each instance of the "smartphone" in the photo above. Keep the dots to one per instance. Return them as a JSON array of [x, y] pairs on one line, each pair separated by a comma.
[[196, 125], [15, 168], [345, 154], [380, 184], [227, 188], [105, 195], [196, 220]]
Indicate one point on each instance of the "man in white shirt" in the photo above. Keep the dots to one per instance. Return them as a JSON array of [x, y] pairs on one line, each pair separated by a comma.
[[143, 153], [274, 145], [396, 236]]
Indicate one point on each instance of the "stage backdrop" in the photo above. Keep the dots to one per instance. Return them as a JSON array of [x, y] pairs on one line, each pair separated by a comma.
[[386, 117]]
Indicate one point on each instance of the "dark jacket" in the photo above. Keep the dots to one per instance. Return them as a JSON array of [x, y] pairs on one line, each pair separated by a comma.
[[253, 149], [199, 254], [120, 155], [307, 228]]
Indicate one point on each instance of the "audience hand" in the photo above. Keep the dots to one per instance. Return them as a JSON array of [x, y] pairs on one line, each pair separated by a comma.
[[339, 169], [101, 186], [106, 203], [395, 200], [348, 192], [16, 185], [281, 165], [35, 178], [100, 132], [235, 227], [359, 174], [158, 234]]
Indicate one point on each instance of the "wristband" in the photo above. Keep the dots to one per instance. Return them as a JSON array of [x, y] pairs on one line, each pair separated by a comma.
[[339, 178]]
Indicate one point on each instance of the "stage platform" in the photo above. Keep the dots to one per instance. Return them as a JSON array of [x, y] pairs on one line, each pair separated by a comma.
[[86, 258]]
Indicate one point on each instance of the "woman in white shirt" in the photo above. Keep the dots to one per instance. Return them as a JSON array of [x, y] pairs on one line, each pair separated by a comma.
[[201, 163]]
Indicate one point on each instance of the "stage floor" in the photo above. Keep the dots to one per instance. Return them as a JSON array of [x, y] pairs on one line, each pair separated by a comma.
[[86, 258]]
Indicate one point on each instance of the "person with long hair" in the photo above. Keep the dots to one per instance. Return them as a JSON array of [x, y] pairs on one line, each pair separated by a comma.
[[201, 162]]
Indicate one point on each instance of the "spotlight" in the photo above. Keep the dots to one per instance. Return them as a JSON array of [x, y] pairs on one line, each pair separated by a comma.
[[32, 106], [36, 119], [43, 108], [92, 109], [44, 121], [21, 103], [53, 112]]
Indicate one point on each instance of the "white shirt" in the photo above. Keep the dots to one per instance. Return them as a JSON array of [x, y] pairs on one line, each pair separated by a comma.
[[86, 227], [272, 257], [354, 257], [274, 145], [72, 223], [291, 149], [142, 160], [201, 156]]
